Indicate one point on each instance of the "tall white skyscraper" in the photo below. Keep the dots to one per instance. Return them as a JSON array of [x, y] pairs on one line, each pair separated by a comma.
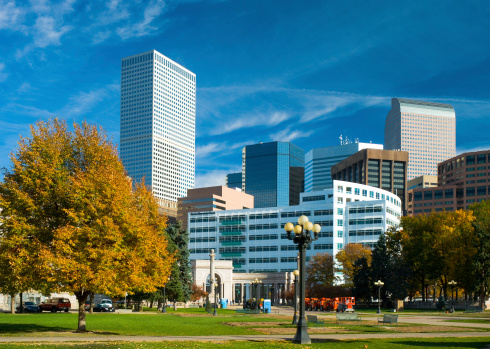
[[158, 114], [426, 130]]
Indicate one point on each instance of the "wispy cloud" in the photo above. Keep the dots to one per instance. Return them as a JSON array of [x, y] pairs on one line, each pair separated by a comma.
[[11, 16], [83, 102], [213, 177], [3, 74], [22, 110], [287, 135], [144, 26], [247, 121]]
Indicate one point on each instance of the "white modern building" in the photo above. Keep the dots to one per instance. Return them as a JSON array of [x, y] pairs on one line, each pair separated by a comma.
[[319, 161], [255, 240], [426, 130], [158, 112]]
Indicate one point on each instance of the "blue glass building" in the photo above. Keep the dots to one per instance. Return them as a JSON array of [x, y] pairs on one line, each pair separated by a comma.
[[234, 180], [273, 173]]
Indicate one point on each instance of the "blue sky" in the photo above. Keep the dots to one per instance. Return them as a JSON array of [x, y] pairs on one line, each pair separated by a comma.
[[300, 71]]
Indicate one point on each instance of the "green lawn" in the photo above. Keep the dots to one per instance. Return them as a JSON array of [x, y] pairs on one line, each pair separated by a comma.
[[128, 324], [434, 343]]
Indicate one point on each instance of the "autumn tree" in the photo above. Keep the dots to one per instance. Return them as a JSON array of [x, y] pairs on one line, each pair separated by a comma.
[[347, 258], [197, 293], [320, 271], [72, 212]]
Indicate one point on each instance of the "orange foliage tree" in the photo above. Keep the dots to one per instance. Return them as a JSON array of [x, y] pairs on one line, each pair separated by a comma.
[[348, 256], [75, 219]]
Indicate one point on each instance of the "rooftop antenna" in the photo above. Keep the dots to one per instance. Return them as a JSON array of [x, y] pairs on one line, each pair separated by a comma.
[[341, 140]]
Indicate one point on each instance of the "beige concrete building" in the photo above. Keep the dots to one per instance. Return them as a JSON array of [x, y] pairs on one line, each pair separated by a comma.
[[212, 199], [426, 130], [385, 169], [424, 181]]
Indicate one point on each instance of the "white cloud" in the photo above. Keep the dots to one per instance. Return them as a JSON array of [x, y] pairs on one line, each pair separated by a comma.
[[26, 110], [143, 27], [11, 16], [205, 150], [48, 31], [211, 178], [247, 121], [83, 102], [24, 87], [287, 135], [3, 75]]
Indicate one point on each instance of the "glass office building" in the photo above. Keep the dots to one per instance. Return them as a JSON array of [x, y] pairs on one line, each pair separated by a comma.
[[319, 161], [273, 173], [426, 130], [158, 112], [255, 240], [234, 180]]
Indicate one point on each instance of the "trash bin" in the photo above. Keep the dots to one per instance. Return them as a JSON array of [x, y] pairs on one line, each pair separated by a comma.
[[224, 303], [267, 306]]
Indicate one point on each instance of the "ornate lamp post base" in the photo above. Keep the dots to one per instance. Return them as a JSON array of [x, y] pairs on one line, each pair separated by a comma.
[[302, 336]]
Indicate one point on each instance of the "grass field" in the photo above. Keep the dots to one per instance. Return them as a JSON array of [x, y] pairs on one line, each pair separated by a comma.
[[433, 343]]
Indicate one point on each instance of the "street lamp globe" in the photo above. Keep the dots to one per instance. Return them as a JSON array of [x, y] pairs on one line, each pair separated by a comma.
[[302, 220]]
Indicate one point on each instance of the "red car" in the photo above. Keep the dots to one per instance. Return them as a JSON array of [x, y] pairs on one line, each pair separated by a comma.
[[56, 304]]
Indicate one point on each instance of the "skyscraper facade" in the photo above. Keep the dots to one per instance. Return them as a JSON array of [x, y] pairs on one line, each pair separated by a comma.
[[158, 112], [234, 180], [426, 130], [319, 161], [255, 240], [273, 173]]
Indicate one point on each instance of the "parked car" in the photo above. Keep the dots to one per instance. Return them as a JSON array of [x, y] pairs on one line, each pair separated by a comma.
[[56, 304], [103, 307], [29, 307]]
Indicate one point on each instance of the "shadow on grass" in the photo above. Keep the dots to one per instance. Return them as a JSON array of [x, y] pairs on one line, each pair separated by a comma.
[[29, 328], [445, 344], [19, 329]]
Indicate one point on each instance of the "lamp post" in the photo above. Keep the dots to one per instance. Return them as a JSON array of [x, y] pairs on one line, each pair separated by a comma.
[[164, 307], [302, 237], [452, 283], [295, 317], [379, 284]]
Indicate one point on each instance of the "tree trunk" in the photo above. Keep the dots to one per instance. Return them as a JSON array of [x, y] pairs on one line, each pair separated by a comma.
[[482, 297], [81, 298], [92, 300], [12, 303], [151, 304], [423, 289]]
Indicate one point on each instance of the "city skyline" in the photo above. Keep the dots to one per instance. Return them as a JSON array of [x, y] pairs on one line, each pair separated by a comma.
[[275, 71]]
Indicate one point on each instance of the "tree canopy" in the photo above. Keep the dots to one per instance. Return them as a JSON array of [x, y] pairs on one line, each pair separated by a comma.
[[73, 221]]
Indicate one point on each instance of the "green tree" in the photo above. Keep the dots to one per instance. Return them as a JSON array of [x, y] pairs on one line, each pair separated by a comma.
[[481, 259], [380, 266], [69, 208], [180, 243], [361, 280]]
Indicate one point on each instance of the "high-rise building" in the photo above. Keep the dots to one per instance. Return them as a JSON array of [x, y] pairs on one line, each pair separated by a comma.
[[319, 161], [385, 169], [273, 173], [255, 239], [461, 181], [424, 181], [234, 180], [426, 130], [213, 199], [158, 112]]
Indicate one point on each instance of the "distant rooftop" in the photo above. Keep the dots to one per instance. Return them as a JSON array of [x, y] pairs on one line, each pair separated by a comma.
[[422, 104]]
